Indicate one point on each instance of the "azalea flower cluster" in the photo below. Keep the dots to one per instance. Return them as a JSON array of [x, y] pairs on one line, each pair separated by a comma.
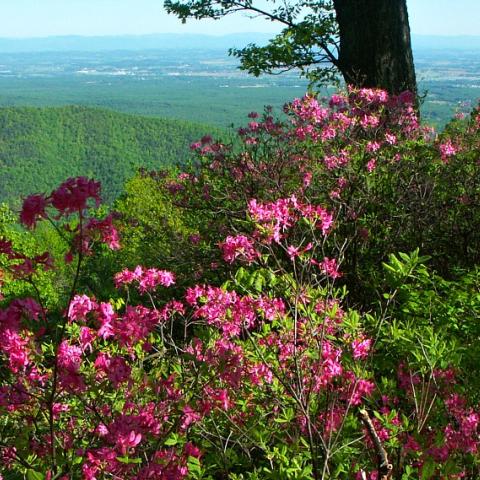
[[84, 360], [461, 433], [100, 347], [318, 150], [15, 341], [216, 379], [74, 196], [325, 371], [358, 113], [285, 213], [147, 279], [228, 311], [275, 223]]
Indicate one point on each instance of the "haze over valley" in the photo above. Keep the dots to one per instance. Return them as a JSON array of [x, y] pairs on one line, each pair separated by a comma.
[[191, 77]]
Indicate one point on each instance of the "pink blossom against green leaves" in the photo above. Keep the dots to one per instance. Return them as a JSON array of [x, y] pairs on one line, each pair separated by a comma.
[[307, 179], [390, 138], [293, 251], [371, 165], [309, 109], [166, 465], [333, 419], [86, 338], [69, 356], [189, 417], [79, 307], [105, 230], [238, 246], [16, 348], [361, 348], [260, 373], [359, 390], [99, 461], [34, 208], [147, 279], [367, 97], [27, 307], [372, 147], [276, 218], [336, 160], [337, 100], [135, 325], [125, 277], [329, 267], [114, 368], [153, 277], [105, 318], [447, 150], [73, 195], [365, 108]]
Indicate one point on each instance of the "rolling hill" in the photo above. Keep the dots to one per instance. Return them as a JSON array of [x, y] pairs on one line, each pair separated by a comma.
[[40, 147]]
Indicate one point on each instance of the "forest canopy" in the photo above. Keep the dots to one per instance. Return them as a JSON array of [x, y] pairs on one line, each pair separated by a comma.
[[40, 147]]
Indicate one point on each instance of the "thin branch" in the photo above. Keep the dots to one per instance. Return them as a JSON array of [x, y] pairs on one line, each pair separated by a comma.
[[385, 468]]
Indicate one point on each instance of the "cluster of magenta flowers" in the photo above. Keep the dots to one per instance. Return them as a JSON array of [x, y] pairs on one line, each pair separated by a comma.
[[146, 385]]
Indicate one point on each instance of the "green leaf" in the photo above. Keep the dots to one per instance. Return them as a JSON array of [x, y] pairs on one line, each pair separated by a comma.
[[127, 459], [428, 469], [34, 475], [173, 440]]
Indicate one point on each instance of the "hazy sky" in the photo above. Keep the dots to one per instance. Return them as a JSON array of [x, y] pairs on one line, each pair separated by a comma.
[[31, 18]]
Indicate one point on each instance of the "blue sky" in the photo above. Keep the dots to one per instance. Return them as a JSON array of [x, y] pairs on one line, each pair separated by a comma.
[[31, 18]]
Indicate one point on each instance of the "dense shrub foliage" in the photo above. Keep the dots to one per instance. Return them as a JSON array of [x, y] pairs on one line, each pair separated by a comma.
[[392, 184], [261, 320]]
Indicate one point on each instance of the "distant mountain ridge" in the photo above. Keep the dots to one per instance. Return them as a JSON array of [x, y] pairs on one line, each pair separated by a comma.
[[41, 147], [161, 41], [171, 41]]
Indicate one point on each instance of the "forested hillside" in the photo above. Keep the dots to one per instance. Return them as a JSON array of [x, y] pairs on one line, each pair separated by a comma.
[[40, 147]]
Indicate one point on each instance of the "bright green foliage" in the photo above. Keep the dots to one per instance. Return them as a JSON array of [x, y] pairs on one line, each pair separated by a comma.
[[157, 231], [40, 147], [435, 320], [153, 232], [153, 225], [51, 285]]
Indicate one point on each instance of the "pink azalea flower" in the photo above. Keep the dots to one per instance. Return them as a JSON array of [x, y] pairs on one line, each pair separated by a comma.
[[329, 266], [79, 307], [238, 246], [447, 150], [73, 195], [361, 348], [371, 165], [33, 209]]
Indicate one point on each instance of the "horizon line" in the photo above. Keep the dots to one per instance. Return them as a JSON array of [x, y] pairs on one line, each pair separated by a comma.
[[151, 34]]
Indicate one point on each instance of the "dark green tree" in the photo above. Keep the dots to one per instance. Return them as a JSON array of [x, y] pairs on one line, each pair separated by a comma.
[[367, 42]]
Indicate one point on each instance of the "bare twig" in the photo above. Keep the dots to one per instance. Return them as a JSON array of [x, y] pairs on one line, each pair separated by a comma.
[[385, 468]]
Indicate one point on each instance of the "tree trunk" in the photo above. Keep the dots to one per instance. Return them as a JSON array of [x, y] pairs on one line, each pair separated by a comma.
[[375, 48]]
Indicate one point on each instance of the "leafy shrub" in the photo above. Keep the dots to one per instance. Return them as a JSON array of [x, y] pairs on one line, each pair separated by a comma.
[[393, 184], [274, 369]]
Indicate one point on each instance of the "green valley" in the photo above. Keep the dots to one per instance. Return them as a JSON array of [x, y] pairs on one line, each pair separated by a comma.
[[40, 147]]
